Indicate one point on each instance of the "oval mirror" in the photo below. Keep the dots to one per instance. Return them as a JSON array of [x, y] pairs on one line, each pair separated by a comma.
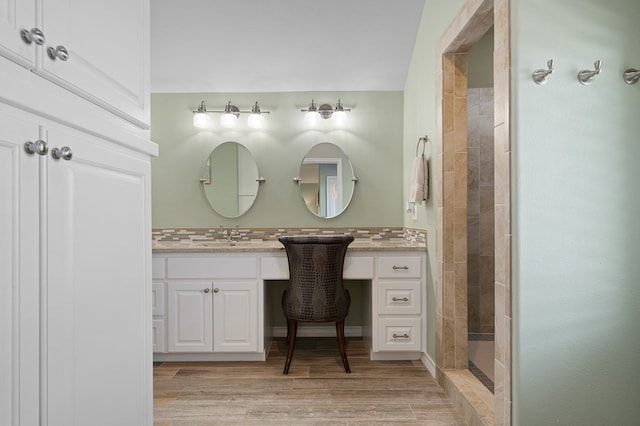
[[230, 180], [326, 180]]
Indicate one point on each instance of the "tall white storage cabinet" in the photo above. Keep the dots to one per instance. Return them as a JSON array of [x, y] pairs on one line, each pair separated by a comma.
[[75, 219]]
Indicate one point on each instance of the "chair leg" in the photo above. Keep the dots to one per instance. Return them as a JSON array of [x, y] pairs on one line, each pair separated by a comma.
[[292, 329], [341, 345], [286, 340]]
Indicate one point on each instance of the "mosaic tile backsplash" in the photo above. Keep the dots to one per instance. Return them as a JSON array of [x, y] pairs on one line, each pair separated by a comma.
[[413, 236]]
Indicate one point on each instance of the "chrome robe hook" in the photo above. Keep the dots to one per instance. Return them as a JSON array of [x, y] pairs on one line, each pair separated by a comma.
[[586, 76], [541, 76], [631, 76]]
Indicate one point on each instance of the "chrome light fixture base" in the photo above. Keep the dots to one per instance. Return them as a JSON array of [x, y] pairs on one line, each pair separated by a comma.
[[229, 108], [325, 110]]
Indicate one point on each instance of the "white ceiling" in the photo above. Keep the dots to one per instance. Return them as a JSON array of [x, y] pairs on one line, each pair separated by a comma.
[[281, 45]]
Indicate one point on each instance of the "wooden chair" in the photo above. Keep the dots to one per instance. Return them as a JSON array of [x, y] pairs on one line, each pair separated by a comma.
[[316, 292]]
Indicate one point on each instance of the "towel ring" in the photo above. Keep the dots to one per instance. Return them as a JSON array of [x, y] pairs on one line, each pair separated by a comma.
[[424, 139]]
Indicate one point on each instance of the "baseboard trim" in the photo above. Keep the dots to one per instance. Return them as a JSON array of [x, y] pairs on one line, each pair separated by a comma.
[[394, 356], [321, 331], [209, 357], [429, 364]]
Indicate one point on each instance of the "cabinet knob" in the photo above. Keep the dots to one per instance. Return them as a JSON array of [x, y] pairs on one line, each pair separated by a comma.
[[34, 35], [64, 153], [37, 147], [215, 290], [206, 290], [402, 299], [59, 52]]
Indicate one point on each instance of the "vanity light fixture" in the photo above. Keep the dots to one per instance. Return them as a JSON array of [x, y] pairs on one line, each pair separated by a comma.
[[256, 120], [229, 116], [200, 117], [311, 116], [339, 113], [325, 110]]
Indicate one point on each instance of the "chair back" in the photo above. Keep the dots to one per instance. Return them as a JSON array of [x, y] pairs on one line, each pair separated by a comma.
[[316, 291]]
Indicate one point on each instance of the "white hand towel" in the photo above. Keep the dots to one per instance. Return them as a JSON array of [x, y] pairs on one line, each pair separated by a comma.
[[419, 184]]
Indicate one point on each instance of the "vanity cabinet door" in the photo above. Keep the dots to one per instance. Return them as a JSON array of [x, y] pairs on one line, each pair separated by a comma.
[[190, 316], [158, 303], [107, 44], [78, 48], [235, 312], [96, 288], [157, 331], [19, 272], [15, 16]]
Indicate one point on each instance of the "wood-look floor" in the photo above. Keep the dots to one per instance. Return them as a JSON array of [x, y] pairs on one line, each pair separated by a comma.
[[317, 391]]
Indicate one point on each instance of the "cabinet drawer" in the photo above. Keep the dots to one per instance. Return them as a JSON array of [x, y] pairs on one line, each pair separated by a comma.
[[212, 267], [157, 299], [399, 266], [274, 268], [399, 334], [399, 297], [357, 267]]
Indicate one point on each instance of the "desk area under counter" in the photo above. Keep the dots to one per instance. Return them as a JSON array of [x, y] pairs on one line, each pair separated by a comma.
[[210, 299]]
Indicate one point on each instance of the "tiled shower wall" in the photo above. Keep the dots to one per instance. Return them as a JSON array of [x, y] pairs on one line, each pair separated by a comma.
[[469, 25], [480, 212]]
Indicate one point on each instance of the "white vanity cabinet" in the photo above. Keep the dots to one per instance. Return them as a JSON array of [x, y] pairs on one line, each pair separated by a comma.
[[214, 307], [75, 214], [96, 49], [398, 310], [75, 237], [215, 302]]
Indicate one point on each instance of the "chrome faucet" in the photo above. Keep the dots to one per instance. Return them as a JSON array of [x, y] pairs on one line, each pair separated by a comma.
[[225, 233], [229, 233]]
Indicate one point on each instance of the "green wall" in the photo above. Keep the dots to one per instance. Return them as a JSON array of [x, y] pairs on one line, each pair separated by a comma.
[[371, 138], [420, 119], [576, 236], [575, 213]]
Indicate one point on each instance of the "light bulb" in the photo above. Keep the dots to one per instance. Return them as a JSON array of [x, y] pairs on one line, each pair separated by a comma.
[[311, 119], [255, 121], [339, 114], [340, 117], [228, 120], [200, 120]]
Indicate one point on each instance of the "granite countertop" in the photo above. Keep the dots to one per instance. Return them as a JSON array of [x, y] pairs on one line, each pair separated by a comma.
[[224, 246]]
